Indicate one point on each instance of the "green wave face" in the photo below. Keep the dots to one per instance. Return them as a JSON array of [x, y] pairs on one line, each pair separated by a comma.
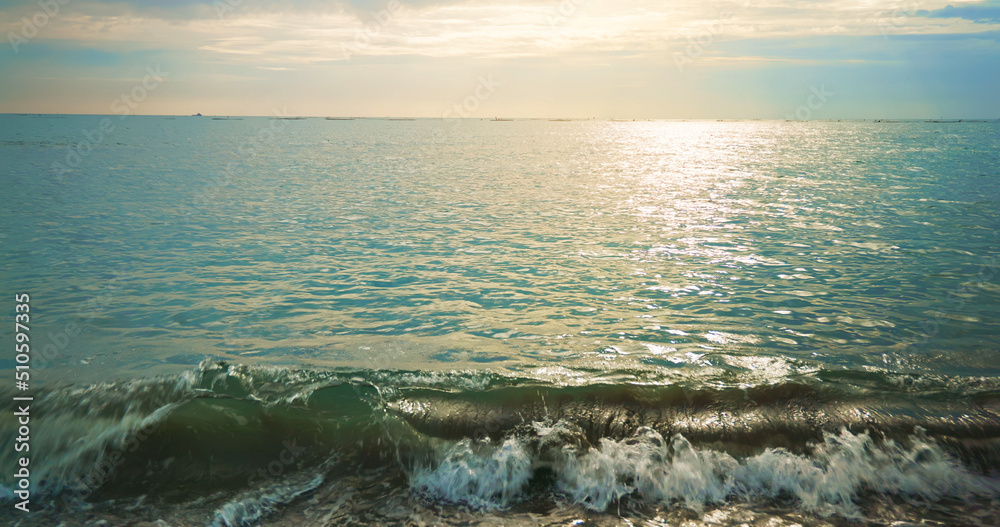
[[253, 436]]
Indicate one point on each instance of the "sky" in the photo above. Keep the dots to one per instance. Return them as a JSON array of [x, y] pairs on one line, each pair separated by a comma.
[[673, 59]]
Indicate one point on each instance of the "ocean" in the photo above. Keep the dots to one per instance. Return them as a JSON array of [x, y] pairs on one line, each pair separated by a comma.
[[312, 322]]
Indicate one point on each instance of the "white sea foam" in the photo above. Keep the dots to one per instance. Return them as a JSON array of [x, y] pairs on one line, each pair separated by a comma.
[[249, 507], [479, 473], [828, 480]]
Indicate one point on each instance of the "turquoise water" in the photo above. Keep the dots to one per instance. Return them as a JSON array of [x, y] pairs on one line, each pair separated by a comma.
[[852, 268]]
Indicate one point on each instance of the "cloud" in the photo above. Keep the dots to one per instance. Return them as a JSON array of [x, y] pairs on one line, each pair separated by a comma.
[[592, 54], [984, 13], [180, 10]]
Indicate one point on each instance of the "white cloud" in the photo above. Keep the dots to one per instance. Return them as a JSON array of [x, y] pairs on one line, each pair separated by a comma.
[[526, 28], [586, 38]]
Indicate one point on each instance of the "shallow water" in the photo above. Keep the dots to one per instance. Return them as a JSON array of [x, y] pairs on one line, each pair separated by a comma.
[[655, 322]]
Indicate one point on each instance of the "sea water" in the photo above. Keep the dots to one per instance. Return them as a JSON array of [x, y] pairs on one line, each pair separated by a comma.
[[317, 322]]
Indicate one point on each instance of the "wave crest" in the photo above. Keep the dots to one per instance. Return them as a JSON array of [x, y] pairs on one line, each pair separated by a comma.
[[830, 479]]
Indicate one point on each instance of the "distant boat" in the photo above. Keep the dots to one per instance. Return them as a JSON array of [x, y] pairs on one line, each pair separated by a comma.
[[289, 118], [196, 115], [499, 119], [339, 118]]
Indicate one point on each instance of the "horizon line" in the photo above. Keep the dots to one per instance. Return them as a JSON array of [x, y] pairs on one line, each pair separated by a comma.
[[500, 118]]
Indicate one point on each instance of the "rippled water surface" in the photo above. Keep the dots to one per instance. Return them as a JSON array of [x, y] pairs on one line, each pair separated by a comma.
[[638, 246], [373, 322]]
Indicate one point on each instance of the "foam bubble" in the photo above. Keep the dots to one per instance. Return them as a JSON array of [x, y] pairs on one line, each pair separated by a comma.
[[480, 474], [829, 480]]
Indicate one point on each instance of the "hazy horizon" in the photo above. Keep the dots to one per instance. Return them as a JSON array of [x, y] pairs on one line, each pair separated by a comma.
[[511, 117]]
